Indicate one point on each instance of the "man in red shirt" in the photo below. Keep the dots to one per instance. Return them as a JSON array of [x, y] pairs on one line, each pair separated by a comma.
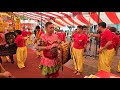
[[115, 43], [21, 53], [106, 51], [61, 35], [78, 50], [115, 38]]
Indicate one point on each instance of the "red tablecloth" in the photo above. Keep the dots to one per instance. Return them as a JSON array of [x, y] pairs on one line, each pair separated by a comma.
[[104, 74]]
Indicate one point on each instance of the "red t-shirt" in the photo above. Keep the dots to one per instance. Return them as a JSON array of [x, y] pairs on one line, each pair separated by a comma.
[[105, 37], [20, 41], [119, 39], [24, 33], [115, 40], [74, 32], [64, 33], [29, 33], [61, 36], [79, 41]]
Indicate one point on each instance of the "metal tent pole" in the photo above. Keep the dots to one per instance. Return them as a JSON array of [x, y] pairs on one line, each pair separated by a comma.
[[41, 21], [97, 40]]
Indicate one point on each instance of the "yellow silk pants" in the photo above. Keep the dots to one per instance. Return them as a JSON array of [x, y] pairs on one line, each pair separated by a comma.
[[78, 59], [106, 58], [21, 56], [119, 66]]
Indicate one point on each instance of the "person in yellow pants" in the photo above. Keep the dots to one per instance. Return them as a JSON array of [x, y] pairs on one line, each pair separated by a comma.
[[106, 51], [78, 60], [21, 53], [115, 43], [78, 50], [106, 58]]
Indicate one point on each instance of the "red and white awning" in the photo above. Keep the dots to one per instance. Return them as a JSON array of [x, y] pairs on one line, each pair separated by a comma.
[[62, 19]]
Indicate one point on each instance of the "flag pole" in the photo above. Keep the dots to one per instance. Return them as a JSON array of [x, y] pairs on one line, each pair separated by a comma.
[[88, 32]]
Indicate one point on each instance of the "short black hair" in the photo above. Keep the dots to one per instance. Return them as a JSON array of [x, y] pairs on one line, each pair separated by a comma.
[[81, 27], [18, 32], [23, 27], [84, 27], [102, 24], [48, 23], [37, 27], [113, 29]]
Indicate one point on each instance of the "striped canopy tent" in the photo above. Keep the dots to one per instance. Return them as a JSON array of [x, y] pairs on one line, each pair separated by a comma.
[[62, 19]]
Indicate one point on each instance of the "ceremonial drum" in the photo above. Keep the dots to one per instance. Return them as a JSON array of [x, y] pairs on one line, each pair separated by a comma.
[[11, 49], [3, 50], [65, 52]]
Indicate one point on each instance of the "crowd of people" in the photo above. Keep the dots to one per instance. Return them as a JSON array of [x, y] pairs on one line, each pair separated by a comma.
[[48, 48], [109, 44]]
